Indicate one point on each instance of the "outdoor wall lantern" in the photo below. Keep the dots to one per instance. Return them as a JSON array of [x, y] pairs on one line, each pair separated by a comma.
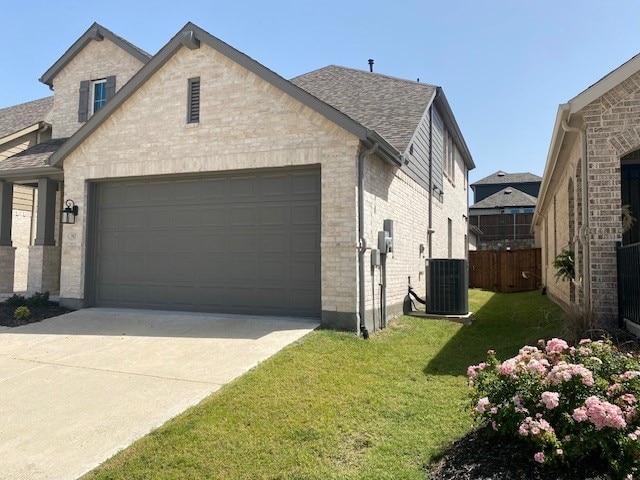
[[68, 215]]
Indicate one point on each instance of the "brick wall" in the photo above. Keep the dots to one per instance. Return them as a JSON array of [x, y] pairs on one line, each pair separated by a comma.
[[244, 123], [96, 61], [612, 128]]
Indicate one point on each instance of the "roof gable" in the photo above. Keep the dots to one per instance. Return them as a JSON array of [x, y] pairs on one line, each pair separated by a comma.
[[606, 83], [190, 36], [507, 197], [18, 117], [95, 32]]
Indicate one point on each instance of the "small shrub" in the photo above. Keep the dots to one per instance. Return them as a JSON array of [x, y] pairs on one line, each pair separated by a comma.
[[21, 313], [564, 264], [565, 403], [579, 322], [16, 300], [38, 300]]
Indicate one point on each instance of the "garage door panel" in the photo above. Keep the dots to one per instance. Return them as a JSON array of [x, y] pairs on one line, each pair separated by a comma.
[[242, 242], [242, 187], [301, 299], [214, 216], [242, 270], [185, 217], [242, 216], [304, 271], [305, 242], [272, 270], [214, 189], [275, 186], [271, 298], [274, 215], [239, 243], [274, 242], [305, 184], [305, 214]]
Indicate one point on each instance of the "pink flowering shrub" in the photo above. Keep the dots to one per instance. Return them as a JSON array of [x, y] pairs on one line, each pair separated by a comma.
[[565, 402]]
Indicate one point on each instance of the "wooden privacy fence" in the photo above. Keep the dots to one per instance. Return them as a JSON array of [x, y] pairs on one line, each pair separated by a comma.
[[501, 271]]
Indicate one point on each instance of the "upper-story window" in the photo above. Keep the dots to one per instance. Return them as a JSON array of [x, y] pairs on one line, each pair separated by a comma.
[[98, 95], [94, 94], [449, 157]]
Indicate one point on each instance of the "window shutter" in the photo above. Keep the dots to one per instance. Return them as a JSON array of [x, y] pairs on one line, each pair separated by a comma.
[[193, 102], [83, 107], [110, 87]]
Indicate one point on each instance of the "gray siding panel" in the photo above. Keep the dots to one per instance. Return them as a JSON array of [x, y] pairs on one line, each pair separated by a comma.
[[237, 243], [418, 166], [438, 149]]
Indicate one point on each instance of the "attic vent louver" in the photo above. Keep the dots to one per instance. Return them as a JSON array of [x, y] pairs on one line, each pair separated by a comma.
[[501, 174], [193, 108], [508, 191]]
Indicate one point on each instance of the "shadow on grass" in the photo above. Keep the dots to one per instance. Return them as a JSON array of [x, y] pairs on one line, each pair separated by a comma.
[[505, 322]]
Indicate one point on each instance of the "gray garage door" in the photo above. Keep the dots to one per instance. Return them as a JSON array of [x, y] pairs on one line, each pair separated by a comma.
[[237, 243]]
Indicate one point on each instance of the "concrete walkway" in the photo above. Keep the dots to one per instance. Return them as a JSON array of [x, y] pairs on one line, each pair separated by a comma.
[[76, 389]]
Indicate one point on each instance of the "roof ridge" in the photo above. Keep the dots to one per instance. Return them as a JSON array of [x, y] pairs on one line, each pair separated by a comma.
[[429, 85]]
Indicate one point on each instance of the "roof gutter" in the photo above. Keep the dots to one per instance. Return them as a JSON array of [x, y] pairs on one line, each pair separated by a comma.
[[22, 174]]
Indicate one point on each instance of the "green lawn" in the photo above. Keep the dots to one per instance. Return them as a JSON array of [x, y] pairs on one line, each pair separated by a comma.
[[335, 406]]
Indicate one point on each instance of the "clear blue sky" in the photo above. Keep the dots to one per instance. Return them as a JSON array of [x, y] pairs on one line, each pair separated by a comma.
[[505, 65]]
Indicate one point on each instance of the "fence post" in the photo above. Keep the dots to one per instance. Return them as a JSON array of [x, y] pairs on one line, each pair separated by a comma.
[[620, 285]]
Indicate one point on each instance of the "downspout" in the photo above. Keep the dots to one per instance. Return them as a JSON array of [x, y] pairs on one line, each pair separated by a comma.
[[583, 235], [362, 243]]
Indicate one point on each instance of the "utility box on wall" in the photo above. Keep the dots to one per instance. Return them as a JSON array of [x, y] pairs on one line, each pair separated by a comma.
[[448, 286]]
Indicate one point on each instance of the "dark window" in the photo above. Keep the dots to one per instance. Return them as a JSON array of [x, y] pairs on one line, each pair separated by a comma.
[[193, 103], [93, 96]]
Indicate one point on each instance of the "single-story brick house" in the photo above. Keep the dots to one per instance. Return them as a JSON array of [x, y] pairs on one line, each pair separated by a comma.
[[592, 170], [204, 181]]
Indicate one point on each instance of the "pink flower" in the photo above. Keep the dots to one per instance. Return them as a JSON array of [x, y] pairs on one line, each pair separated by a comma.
[[483, 403], [630, 374], [534, 427], [538, 366], [507, 367], [550, 399], [559, 451], [539, 457], [491, 352], [528, 350], [584, 341], [556, 345], [600, 413], [563, 372], [580, 414], [628, 398]]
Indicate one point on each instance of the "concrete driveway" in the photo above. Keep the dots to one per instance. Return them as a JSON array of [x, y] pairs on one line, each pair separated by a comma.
[[76, 389]]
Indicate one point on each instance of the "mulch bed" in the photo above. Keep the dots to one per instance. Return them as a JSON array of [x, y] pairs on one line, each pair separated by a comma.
[[482, 456], [37, 314]]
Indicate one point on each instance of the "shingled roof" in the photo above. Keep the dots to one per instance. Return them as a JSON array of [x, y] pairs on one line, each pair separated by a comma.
[[391, 106], [501, 177], [505, 198], [32, 158], [18, 117]]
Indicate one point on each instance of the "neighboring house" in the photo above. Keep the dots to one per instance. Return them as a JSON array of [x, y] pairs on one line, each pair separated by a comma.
[[206, 182], [592, 170], [503, 210], [23, 126]]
